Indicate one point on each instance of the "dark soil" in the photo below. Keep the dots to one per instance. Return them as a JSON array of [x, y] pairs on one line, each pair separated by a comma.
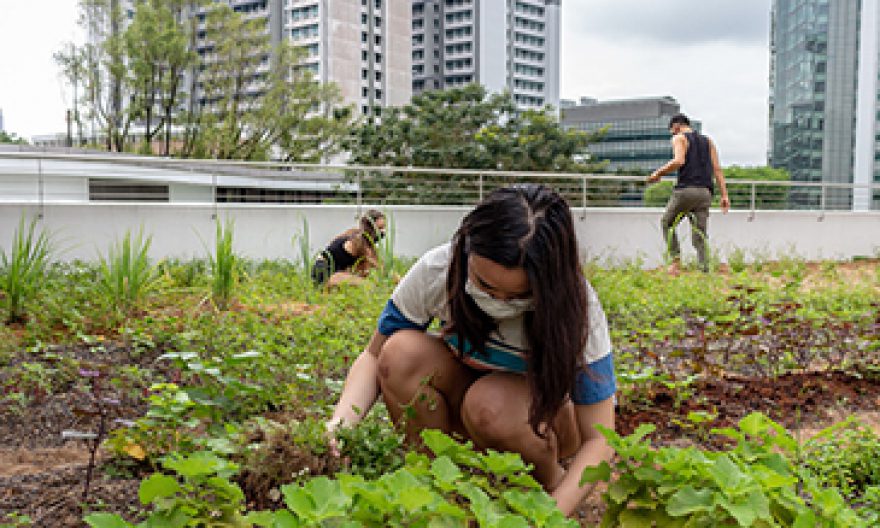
[[798, 401]]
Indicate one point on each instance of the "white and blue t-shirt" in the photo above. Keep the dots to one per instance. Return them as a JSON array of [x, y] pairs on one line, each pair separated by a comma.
[[421, 297]]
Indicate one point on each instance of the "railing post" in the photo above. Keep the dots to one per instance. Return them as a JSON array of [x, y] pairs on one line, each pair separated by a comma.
[[214, 195], [41, 189], [752, 202], [583, 197], [822, 203], [359, 180], [481, 186]]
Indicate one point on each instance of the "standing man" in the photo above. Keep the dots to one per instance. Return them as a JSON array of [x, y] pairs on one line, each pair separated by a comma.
[[695, 158]]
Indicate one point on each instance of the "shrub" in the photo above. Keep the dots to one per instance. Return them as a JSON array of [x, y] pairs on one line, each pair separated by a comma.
[[22, 270]]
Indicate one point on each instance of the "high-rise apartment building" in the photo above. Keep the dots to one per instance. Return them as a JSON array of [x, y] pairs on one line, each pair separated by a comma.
[[824, 98], [361, 45], [502, 44]]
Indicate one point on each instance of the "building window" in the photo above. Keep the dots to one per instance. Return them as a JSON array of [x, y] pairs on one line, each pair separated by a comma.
[[104, 190]]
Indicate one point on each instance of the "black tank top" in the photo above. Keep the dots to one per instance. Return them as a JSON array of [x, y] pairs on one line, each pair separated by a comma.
[[697, 169], [339, 258]]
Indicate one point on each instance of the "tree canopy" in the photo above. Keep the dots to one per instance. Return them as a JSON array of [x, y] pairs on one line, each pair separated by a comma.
[[470, 128]]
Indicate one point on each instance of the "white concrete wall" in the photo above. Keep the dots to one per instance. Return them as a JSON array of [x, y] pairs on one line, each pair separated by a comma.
[[611, 235]]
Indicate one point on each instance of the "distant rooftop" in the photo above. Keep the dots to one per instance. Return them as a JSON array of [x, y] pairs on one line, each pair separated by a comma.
[[593, 110]]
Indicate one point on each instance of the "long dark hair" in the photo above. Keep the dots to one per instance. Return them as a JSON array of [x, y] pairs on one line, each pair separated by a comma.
[[367, 226], [528, 227]]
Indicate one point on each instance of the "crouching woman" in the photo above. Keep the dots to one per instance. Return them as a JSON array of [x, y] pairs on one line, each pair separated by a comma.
[[523, 361]]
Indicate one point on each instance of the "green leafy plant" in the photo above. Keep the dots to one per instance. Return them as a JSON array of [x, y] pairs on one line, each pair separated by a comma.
[[198, 493], [219, 395], [846, 456], [754, 484], [168, 426], [372, 448], [22, 270], [224, 265], [126, 275], [458, 487]]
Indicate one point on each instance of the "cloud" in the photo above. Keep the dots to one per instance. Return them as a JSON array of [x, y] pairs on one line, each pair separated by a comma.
[[721, 82], [672, 23]]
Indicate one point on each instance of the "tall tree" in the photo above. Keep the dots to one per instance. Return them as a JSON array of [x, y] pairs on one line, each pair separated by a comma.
[[257, 96], [105, 69], [158, 54], [71, 61]]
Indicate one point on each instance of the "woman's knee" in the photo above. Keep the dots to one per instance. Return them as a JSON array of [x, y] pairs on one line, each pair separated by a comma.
[[491, 411], [405, 355]]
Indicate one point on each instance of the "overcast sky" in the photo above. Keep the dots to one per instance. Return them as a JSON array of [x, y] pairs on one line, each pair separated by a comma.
[[711, 55]]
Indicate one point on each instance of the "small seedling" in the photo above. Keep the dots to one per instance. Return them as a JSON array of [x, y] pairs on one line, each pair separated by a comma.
[[99, 405]]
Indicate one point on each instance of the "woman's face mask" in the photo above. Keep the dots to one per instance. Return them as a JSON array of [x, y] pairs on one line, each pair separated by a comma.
[[498, 308]]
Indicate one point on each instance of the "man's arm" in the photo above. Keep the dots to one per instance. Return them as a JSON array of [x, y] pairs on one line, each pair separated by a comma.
[[594, 449], [719, 178], [679, 149]]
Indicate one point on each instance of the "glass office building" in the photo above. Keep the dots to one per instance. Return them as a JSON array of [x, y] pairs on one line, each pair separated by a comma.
[[823, 98], [637, 138]]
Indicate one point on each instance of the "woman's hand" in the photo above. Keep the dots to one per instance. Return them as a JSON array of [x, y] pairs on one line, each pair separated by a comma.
[[330, 427]]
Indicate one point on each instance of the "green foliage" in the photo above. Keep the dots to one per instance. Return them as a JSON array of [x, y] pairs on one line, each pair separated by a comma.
[[282, 113], [126, 275], [221, 395], [168, 426], [158, 52], [766, 196], [456, 488], [846, 456], [754, 484], [465, 128], [7, 137], [740, 194], [197, 493], [22, 270], [304, 250], [145, 72], [372, 448], [224, 265], [658, 194]]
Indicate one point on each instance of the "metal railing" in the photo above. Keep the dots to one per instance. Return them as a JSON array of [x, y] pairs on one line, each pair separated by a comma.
[[39, 177]]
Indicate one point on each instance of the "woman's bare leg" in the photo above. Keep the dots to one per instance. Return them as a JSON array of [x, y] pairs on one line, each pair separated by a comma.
[[495, 413], [343, 277], [422, 383]]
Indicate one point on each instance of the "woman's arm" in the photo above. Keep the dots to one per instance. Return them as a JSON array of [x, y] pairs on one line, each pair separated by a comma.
[[361, 386], [594, 449], [365, 254]]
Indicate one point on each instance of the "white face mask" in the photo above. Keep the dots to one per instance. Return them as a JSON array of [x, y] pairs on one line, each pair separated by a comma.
[[498, 308]]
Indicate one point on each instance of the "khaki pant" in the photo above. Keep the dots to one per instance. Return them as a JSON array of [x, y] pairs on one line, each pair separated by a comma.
[[691, 202]]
